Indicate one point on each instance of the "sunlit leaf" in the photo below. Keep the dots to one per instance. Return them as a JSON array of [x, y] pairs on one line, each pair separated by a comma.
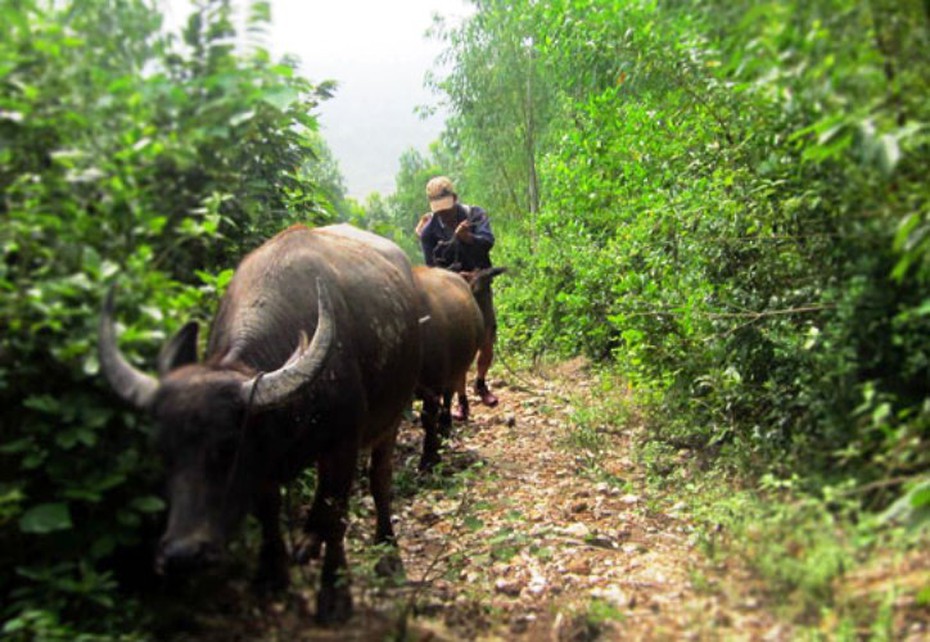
[[889, 153], [281, 97]]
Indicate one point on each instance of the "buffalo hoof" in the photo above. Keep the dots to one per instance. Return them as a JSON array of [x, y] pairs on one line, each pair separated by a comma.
[[333, 605], [445, 427], [390, 566], [460, 413], [428, 462], [274, 572], [271, 581]]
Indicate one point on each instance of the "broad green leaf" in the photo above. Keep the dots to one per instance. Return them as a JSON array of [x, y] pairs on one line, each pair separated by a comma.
[[46, 518], [149, 504], [281, 97]]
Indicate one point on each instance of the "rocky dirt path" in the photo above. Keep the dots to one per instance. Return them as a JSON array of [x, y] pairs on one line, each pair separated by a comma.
[[526, 535], [544, 540]]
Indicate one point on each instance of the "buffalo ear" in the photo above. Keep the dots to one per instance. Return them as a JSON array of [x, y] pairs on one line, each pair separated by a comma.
[[181, 350]]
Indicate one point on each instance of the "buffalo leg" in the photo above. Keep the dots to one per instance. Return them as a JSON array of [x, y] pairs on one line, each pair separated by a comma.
[[380, 482], [431, 438], [445, 415], [461, 413], [273, 572], [326, 523]]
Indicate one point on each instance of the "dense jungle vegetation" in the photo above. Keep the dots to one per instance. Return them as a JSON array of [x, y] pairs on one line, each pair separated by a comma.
[[726, 202]]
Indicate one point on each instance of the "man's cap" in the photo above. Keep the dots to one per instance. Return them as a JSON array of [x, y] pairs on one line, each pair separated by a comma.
[[441, 193]]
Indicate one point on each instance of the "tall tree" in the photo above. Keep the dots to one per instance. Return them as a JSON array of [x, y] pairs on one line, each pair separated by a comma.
[[500, 99]]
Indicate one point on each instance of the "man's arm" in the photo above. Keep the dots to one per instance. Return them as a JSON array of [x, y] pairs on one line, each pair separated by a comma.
[[480, 227], [428, 242]]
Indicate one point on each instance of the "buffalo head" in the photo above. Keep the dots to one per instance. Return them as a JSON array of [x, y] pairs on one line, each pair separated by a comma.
[[202, 412]]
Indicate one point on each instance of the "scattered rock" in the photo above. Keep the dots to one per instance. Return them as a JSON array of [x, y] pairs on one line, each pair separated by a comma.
[[577, 530], [537, 585], [613, 595], [579, 507], [601, 541], [578, 566], [678, 510], [510, 588]]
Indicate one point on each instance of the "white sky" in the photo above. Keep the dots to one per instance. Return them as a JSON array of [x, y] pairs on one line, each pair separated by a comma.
[[378, 53]]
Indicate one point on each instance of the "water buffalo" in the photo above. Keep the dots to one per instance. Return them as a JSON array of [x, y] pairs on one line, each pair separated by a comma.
[[452, 330], [263, 404]]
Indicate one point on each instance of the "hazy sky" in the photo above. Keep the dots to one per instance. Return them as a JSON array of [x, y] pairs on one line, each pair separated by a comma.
[[378, 53]]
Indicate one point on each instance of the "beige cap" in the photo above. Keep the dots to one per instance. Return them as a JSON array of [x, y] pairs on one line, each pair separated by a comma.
[[441, 193]]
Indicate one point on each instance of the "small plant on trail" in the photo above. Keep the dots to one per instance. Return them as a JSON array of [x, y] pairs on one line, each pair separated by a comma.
[[593, 422]]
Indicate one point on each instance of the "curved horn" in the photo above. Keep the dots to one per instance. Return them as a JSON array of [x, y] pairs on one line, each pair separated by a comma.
[[278, 387], [481, 279], [133, 385]]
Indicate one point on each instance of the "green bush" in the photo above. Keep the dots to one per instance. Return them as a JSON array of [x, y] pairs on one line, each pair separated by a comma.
[[732, 209], [124, 158]]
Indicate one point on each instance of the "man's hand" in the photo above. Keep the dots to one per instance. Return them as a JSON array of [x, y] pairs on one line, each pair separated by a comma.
[[463, 232], [422, 223]]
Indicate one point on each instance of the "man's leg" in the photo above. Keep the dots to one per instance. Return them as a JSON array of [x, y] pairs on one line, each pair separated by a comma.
[[485, 359], [486, 351]]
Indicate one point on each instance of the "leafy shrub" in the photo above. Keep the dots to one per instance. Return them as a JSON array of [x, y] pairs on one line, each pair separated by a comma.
[[124, 159], [731, 210]]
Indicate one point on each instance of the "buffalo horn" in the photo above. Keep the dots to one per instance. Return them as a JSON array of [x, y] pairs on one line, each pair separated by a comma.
[[278, 387], [131, 384]]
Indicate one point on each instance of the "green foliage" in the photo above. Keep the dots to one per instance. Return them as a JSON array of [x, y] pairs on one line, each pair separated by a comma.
[[732, 209], [601, 611], [124, 158], [799, 547], [913, 508], [395, 216], [501, 101], [408, 202]]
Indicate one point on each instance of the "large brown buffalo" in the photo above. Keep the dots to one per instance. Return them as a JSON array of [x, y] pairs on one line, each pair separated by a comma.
[[263, 405], [452, 330]]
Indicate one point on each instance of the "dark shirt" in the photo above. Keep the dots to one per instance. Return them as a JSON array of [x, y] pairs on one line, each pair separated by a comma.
[[442, 249]]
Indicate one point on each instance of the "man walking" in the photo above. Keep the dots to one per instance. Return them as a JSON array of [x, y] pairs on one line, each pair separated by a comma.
[[458, 237]]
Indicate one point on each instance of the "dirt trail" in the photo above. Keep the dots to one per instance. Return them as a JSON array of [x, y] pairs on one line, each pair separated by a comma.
[[558, 547], [522, 537]]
